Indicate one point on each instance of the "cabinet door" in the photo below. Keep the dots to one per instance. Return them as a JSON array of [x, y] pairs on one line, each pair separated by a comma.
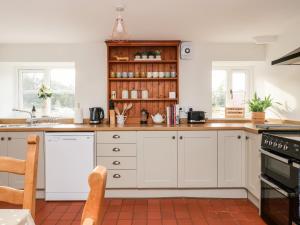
[[231, 159], [197, 159], [253, 163], [157, 159], [3, 152], [17, 148]]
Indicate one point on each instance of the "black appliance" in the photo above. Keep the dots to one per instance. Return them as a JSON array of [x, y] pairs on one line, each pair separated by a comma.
[[280, 177], [195, 116], [292, 58], [96, 115]]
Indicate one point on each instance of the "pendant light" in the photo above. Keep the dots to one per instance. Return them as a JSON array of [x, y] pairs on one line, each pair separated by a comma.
[[119, 30]]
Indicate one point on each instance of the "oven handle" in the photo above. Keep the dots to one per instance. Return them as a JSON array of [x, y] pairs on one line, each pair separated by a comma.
[[275, 187], [296, 165], [281, 159]]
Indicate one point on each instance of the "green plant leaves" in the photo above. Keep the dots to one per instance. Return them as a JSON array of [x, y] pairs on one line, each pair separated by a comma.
[[256, 104]]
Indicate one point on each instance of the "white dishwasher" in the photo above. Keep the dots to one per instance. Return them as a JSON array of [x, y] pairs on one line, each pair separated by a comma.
[[69, 159]]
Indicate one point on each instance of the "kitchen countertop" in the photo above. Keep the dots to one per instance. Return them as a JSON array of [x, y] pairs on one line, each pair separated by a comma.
[[137, 127]]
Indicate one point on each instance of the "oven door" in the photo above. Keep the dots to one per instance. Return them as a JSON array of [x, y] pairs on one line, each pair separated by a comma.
[[279, 169], [276, 204]]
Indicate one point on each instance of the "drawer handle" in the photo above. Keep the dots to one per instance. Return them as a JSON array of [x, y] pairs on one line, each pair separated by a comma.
[[239, 136], [116, 149], [116, 176], [116, 136], [116, 163], [9, 138], [2, 138]]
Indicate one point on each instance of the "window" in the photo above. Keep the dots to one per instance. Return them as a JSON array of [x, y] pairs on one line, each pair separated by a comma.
[[230, 88], [61, 81]]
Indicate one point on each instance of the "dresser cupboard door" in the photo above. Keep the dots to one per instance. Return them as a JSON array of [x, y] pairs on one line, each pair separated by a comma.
[[231, 159], [17, 148], [253, 163], [3, 152], [157, 159], [197, 159]]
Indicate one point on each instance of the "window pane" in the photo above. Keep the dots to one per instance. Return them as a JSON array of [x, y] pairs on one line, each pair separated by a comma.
[[62, 103], [238, 89], [63, 79], [219, 86], [30, 99], [32, 80], [238, 81]]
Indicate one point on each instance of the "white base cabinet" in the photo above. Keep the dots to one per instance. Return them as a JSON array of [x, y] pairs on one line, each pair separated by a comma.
[[253, 163], [157, 159], [14, 145], [231, 159], [197, 159]]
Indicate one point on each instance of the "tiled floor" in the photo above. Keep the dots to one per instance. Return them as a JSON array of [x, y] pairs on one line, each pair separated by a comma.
[[181, 211]]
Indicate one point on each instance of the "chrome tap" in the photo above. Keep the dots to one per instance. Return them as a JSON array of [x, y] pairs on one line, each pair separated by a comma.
[[32, 118]]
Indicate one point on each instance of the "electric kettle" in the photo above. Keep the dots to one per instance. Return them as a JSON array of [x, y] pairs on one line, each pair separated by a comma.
[[96, 115]]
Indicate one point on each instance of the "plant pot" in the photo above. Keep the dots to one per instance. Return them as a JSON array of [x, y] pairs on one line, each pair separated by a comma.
[[258, 117], [46, 107]]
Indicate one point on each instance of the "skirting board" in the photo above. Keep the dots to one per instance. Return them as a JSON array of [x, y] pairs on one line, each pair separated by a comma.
[[168, 193], [253, 199]]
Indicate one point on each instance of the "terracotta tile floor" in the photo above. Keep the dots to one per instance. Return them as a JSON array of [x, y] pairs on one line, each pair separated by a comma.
[[175, 211]]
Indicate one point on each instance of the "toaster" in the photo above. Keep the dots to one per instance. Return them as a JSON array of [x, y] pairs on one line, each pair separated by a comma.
[[196, 116]]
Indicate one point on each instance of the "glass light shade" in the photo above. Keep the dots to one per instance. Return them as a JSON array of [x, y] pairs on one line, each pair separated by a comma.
[[119, 30]]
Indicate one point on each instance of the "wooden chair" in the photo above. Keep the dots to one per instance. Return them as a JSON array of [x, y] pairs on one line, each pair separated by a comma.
[[93, 209], [28, 168]]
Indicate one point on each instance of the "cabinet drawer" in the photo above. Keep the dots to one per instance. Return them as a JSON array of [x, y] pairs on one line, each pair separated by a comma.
[[121, 179], [116, 137], [116, 149], [116, 163]]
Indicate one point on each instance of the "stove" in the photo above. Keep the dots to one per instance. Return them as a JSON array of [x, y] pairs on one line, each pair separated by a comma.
[[280, 177]]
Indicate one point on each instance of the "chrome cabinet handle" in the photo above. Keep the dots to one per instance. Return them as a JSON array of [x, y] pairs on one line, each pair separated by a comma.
[[281, 159], [116, 149], [116, 136], [275, 187], [116, 176], [116, 163]]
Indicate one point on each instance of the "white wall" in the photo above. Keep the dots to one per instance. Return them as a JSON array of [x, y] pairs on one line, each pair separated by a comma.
[[281, 81], [90, 63]]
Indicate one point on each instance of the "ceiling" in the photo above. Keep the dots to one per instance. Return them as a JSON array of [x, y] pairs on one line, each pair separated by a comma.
[[73, 21]]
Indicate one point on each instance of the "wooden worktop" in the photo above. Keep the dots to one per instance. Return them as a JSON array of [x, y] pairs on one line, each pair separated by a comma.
[[137, 127]]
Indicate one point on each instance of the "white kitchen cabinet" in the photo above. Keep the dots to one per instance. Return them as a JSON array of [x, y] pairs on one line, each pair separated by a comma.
[[253, 163], [197, 159], [3, 152], [157, 159], [17, 148], [231, 159]]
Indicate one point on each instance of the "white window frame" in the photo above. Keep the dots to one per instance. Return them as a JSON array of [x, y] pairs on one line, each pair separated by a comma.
[[46, 71], [249, 82]]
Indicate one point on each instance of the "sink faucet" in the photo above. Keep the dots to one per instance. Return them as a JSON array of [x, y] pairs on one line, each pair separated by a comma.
[[31, 120]]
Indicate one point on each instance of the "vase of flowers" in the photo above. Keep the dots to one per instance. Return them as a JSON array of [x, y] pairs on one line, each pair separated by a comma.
[[258, 106], [45, 94]]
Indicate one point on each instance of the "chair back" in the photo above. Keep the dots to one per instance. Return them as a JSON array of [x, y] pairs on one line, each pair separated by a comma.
[[93, 209], [28, 168]]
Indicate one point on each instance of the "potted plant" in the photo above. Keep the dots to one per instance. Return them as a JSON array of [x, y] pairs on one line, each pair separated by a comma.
[[151, 55], [258, 106], [157, 54], [44, 94], [138, 56], [145, 55]]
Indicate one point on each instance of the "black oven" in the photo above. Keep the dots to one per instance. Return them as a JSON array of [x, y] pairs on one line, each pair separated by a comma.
[[279, 189]]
